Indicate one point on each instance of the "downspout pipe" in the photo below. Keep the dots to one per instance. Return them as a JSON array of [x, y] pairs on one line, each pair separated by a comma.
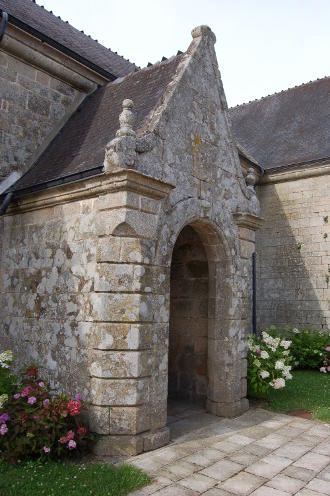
[[262, 173], [6, 202], [3, 24], [254, 293]]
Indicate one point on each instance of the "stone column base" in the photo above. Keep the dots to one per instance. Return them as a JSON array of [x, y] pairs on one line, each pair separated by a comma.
[[227, 409], [131, 445]]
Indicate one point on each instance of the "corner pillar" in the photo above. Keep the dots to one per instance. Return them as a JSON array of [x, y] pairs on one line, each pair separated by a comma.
[[125, 318]]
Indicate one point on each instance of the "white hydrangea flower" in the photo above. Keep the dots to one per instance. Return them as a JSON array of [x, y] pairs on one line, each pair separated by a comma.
[[3, 399], [286, 372], [286, 353], [264, 355], [5, 357], [279, 365], [264, 374], [296, 331], [278, 383], [285, 344], [257, 362]]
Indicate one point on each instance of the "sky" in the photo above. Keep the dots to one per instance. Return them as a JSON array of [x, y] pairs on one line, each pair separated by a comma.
[[263, 46]]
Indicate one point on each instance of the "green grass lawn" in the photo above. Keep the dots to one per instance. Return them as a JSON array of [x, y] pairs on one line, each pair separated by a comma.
[[58, 479], [309, 390]]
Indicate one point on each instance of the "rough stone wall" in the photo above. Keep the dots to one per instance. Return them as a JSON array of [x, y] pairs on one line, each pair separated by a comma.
[[188, 330], [293, 253], [31, 104], [47, 269]]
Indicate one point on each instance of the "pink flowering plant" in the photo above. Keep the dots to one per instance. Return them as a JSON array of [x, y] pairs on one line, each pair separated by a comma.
[[325, 369], [269, 363], [36, 422]]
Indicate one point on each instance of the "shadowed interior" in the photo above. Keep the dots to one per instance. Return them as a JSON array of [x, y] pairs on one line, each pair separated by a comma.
[[188, 336]]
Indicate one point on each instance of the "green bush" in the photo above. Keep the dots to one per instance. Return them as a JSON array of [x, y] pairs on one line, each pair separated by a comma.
[[308, 348]]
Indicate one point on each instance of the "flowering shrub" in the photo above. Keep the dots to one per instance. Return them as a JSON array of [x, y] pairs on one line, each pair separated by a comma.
[[7, 378], [269, 363], [326, 362], [309, 347], [35, 422]]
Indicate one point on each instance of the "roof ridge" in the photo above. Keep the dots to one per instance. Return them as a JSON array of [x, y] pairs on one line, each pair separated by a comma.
[[79, 31], [244, 104]]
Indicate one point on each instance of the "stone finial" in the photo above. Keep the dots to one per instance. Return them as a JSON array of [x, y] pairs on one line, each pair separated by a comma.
[[204, 32], [251, 178], [121, 151], [126, 119]]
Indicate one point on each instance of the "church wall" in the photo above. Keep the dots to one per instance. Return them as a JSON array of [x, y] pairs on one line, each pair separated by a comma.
[[32, 103], [293, 250]]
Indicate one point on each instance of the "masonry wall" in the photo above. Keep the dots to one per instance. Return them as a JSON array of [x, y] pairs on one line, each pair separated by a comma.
[[31, 104], [47, 263], [293, 250]]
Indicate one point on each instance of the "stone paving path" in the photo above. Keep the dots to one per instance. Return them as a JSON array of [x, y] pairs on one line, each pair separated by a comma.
[[260, 453]]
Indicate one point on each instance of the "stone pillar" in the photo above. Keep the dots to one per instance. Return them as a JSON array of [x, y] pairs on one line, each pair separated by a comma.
[[247, 224], [126, 313]]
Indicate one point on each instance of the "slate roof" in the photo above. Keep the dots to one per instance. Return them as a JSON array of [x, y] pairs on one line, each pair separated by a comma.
[[80, 145], [33, 18], [288, 128]]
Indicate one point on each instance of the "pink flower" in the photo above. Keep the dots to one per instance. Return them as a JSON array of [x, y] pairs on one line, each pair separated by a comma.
[[78, 397], [328, 369], [16, 396], [46, 449], [3, 429], [328, 348], [72, 444], [4, 418], [41, 384], [25, 391], [70, 435], [323, 369], [74, 407], [32, 400], [45, 403], [81, 430]]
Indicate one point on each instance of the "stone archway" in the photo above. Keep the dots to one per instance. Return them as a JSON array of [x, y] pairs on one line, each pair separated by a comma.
[[200, 305]]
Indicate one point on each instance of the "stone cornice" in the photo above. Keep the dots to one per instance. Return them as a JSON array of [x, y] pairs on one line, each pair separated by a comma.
[[303, 172], [120, 180], [46, 58], [247, 220]]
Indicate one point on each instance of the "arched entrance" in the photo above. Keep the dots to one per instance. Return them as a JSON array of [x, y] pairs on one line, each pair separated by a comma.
[[188, 329]]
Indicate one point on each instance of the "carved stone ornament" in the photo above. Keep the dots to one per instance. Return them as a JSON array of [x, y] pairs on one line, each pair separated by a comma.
[[121, 151]]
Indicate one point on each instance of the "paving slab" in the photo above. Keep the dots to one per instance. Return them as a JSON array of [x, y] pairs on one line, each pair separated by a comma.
[[319, 485], [242, 484], [258, 454], [198, 482], [269, 491], [285, 483], [222, 470], [313, 461]]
